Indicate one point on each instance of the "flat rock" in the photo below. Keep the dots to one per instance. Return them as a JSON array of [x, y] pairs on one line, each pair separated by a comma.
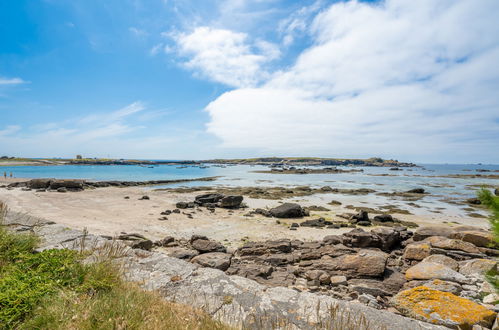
[[451, 244], [443, 260], [476, 266], [218, 260], [442, 308], [417, 251], [427, 231], [231, 201], [477, 238], [445, 286], [364, 263], [204, 246], [431, 271]]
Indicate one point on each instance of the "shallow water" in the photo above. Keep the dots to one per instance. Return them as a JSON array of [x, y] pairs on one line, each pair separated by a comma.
[[428, 176]]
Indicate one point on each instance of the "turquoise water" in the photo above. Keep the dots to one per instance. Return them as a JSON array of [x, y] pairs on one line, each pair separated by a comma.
[[243, 175]]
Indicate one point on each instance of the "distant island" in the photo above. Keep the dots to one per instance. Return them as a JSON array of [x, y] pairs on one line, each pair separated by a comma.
[[268, 161], [311, 161]]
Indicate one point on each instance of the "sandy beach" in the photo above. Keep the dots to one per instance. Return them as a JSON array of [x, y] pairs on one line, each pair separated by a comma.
[[106, 211]]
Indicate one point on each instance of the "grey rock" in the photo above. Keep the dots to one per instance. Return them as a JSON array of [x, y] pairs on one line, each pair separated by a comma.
[[231, 201], [287, 210], [216, 260]]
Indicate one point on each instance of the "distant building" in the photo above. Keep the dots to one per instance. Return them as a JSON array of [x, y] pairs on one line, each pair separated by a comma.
[[79, 157]]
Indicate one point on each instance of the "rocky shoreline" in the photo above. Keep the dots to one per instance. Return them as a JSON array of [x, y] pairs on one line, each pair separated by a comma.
[[235, 300], [310, 161], [64, 185]]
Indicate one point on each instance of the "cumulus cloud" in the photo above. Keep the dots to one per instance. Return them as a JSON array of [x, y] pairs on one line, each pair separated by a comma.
[[226, 56], [11, 81], [408, 78]]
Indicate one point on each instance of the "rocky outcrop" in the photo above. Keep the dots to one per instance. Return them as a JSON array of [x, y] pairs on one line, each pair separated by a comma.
[[238, 301], [443, 308], [431, 271]]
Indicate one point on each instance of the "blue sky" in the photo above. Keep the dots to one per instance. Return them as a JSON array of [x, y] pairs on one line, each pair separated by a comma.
[[172, 79]]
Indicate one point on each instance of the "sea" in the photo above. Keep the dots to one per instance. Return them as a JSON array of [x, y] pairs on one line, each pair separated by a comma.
[[432, 177]]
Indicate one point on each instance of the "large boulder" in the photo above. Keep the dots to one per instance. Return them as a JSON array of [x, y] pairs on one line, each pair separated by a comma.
[[431, 271], [218, 260], [475, 237], [364, 263], [208, 198], [442, 308], [427, 231], [231, 201], [39, 183], [288, 210], [205, 246], [476, 266], [451, 244]]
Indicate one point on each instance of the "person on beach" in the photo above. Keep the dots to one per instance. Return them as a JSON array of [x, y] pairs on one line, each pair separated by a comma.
[[5, 175], [11, 174]]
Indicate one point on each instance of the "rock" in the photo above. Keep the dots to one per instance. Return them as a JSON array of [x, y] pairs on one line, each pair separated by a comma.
[[383, 218], [368, 286], [333, 202], [165, 241], [445, 286], [263, 212], [417, 251], [389, 237], [204, 246], [181, 253], [364, 263], [393, 280], [39, 183], [496, 191], [360, 238], [62, 190], [476, 266], [427, 231], [326, 188], [332, 239], [416, 191], [184, 205], [144, 244], [217, 260], [196, 237], [442, 308], [208, 198], [338, 280], [477, 238], [361, 216], [431, 271], [451, 244], [231, 201], [443, 260], [145, 197], [288, 210], [364, 223], [474, 201], [492, 299], [73, 185], [318, 223]]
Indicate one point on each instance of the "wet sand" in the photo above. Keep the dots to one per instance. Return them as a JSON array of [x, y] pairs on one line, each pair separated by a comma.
[[105, 211]]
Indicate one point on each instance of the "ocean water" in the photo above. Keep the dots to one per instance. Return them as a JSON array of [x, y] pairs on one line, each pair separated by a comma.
[[428, 176], [431, 177]]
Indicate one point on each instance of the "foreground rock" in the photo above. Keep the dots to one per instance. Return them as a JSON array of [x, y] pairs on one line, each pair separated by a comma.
[[442, 308], [238, 301]]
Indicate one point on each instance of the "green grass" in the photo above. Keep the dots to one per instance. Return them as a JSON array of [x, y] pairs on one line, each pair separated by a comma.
[[492, 202], [53, 289]]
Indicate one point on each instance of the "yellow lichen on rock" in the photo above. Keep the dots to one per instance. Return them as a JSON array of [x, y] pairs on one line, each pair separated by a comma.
[[442, 308]]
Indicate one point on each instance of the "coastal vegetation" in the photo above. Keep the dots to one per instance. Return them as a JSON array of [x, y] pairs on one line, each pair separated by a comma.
[[54, 289], [492, 202]]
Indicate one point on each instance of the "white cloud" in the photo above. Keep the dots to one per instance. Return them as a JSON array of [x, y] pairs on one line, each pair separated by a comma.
[[11, 129], [407, 78], [226, 56], [11, 81]]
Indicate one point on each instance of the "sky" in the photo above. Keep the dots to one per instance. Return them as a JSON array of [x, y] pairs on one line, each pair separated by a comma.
[[185, 79]]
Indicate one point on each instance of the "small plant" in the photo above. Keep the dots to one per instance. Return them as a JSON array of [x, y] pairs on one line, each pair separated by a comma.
[[492, 202]]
